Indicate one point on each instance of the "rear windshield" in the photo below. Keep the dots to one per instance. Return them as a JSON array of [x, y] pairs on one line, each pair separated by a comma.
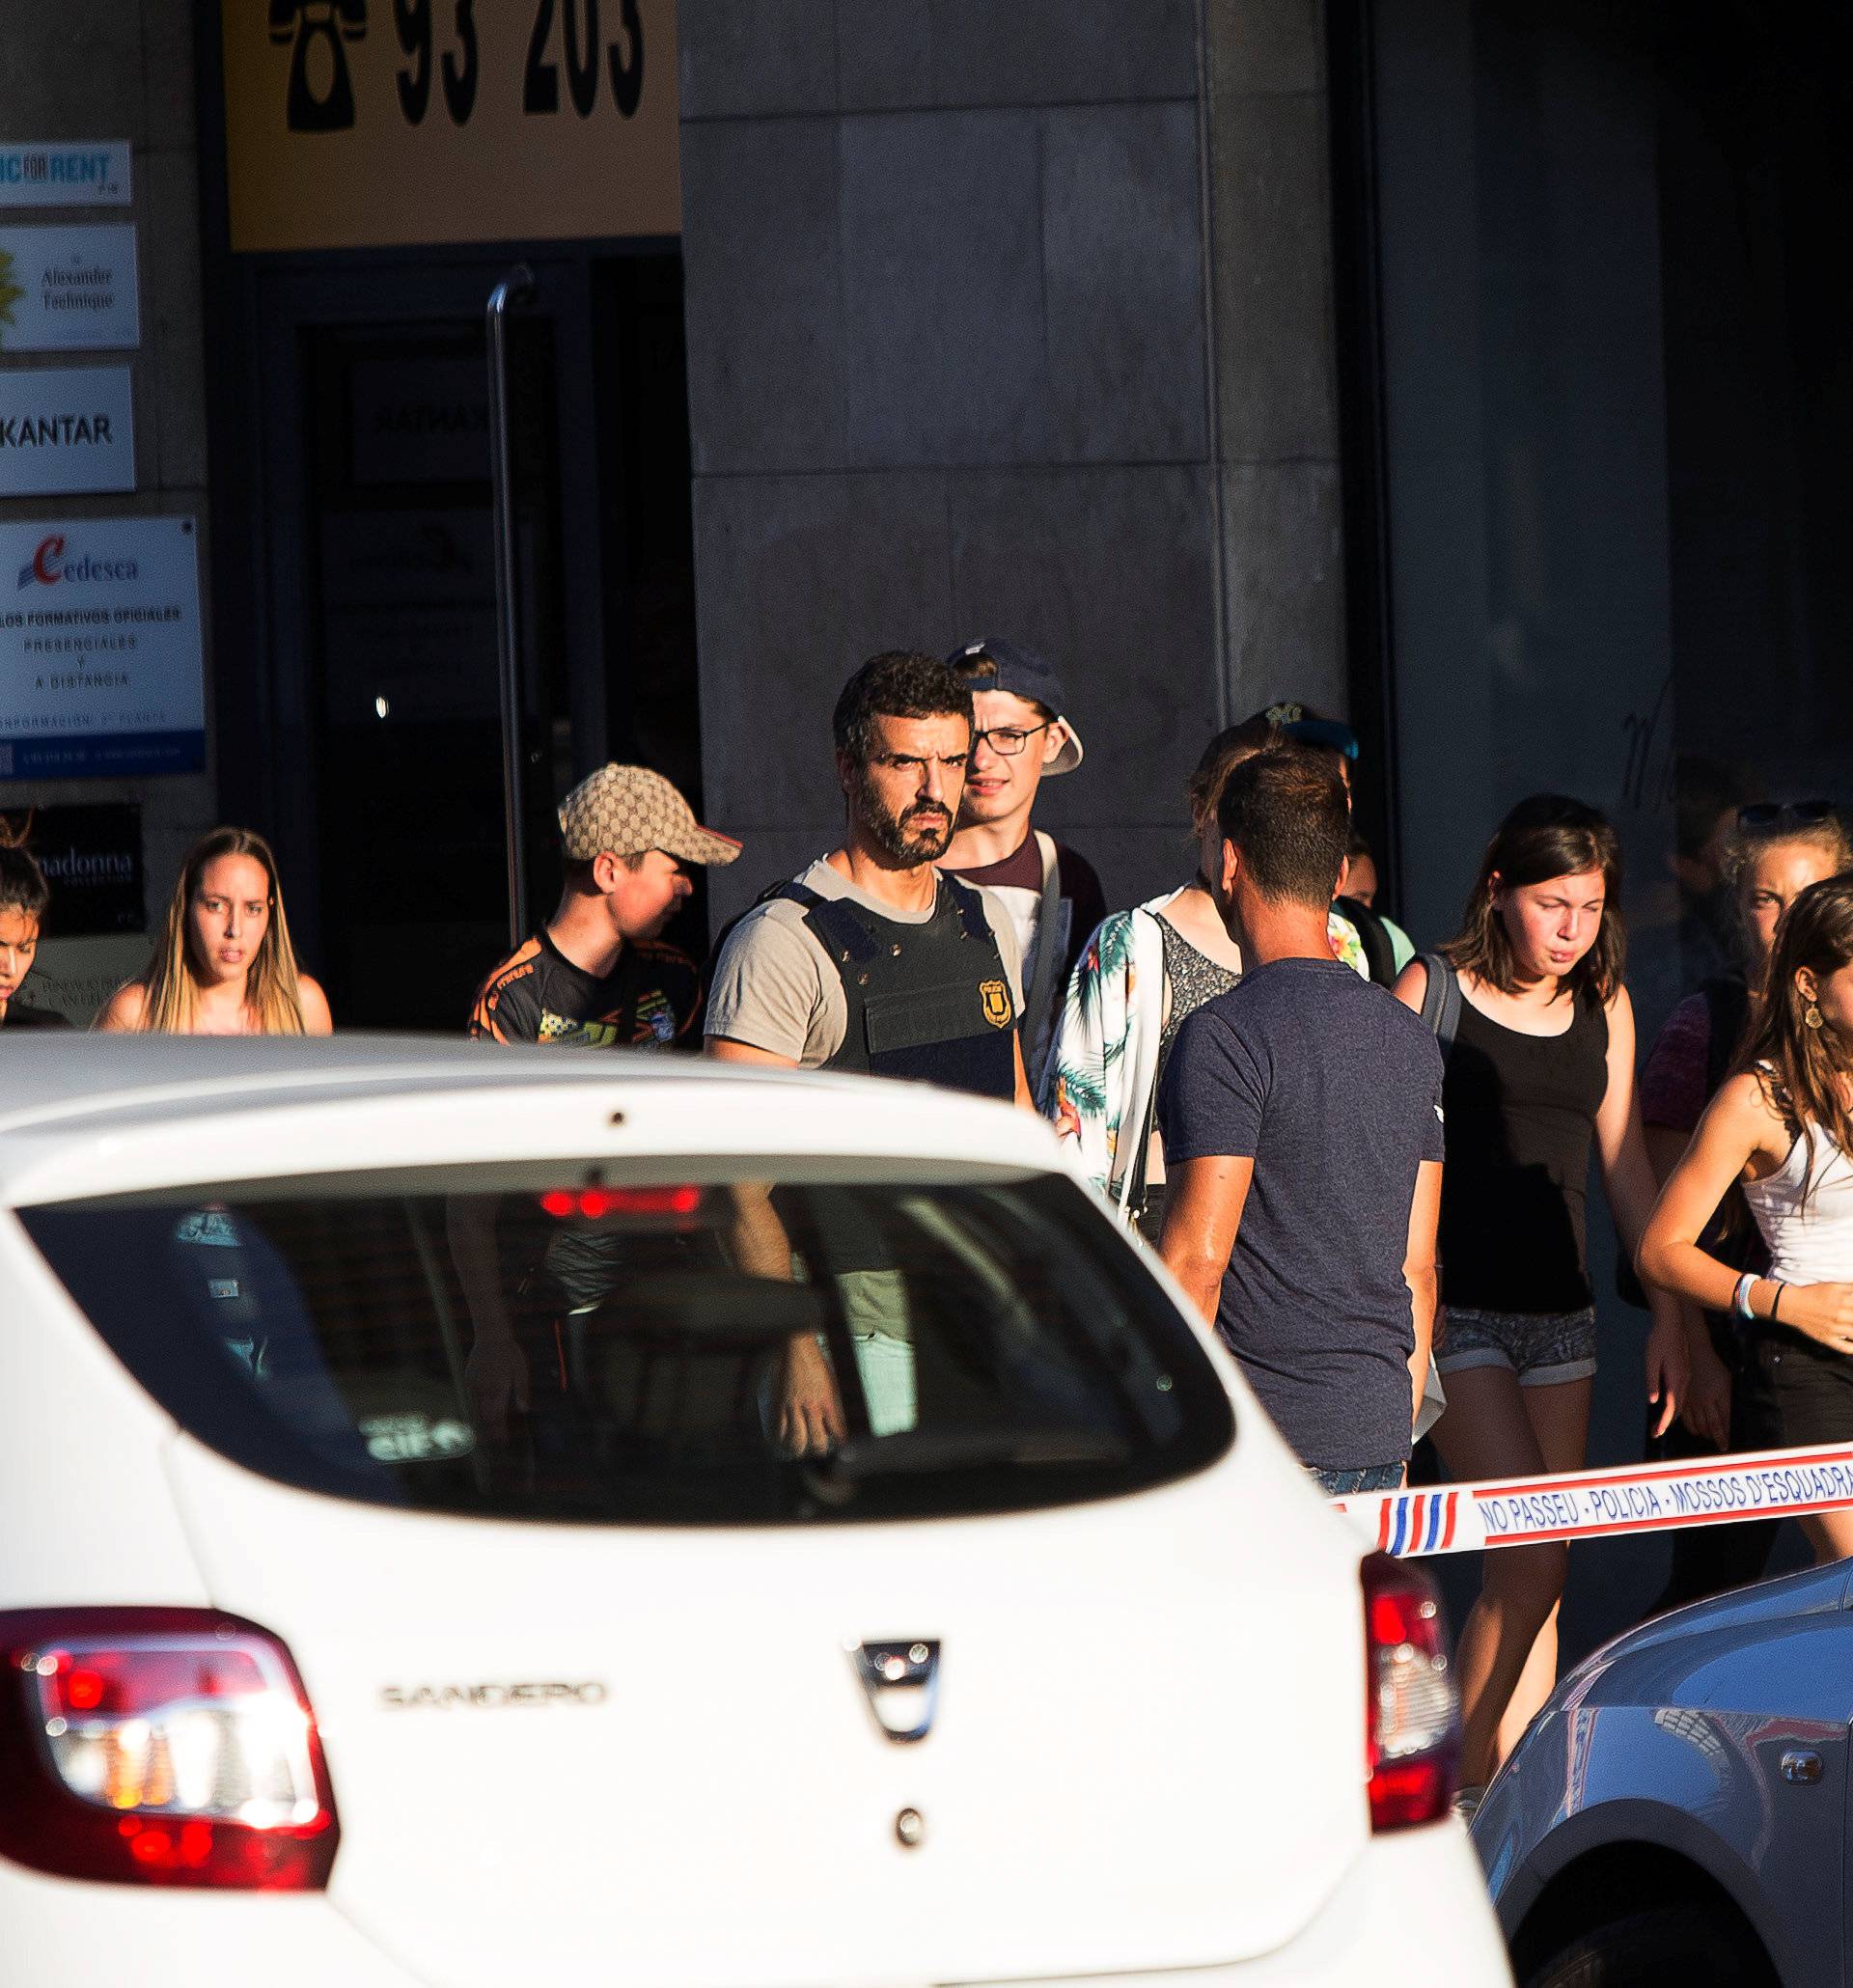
[[573, 1341]]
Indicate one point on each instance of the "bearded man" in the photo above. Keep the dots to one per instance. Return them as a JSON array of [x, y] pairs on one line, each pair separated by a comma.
[[871, 960]]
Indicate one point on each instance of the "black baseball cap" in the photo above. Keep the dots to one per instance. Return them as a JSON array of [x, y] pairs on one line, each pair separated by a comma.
[[1022, 673]]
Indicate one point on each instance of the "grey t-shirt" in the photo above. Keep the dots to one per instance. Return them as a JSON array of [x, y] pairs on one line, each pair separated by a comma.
[[777, 989], [1333, 1089]]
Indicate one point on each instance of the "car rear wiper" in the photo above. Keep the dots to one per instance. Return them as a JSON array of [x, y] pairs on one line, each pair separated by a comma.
[[908, 1452]]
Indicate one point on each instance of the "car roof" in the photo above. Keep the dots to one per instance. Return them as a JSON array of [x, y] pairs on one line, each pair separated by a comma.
[[71, 1105]]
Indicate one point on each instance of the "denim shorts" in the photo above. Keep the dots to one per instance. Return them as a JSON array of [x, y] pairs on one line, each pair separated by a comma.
[[1347, 1483], [1542, 1348]]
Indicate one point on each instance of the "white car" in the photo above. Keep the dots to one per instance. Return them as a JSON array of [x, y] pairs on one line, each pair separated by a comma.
[[319, 1668]]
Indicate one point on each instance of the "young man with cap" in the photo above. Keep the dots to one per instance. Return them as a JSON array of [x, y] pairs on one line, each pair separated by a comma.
[[596, 973], [1053, 899], [872, 961]]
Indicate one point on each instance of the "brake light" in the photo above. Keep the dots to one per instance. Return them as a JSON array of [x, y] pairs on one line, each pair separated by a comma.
[[159, 1746], [596, 1202], [1412, 1727]]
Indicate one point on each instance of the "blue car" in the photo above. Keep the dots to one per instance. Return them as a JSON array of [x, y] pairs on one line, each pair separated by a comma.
[[1677, 1812]]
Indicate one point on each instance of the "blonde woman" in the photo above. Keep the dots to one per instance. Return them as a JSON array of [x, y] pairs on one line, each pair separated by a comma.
[[223, 965]]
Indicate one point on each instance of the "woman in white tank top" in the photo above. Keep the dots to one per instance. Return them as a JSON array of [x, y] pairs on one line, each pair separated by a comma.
[[1783, 1128]]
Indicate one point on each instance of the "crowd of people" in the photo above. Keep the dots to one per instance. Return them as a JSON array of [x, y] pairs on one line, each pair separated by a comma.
[[1367, 1167]]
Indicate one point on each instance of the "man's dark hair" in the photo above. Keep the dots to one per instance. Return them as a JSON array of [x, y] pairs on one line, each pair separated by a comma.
[[898, 683], [1285, 809], [22, 883]]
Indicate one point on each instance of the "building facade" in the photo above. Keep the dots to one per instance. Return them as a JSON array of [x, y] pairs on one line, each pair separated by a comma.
[[1473, 367]]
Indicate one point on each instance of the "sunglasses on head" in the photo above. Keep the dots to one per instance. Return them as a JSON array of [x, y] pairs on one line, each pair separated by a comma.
[[1767, 814]]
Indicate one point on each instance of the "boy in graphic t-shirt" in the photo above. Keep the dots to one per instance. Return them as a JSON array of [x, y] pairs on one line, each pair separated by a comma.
[[595, 974], [1019, 736]]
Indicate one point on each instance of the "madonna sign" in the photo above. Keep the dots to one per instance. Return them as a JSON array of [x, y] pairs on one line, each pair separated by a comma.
[[63, 431], [91, 857], [100, 648], [69, 289]]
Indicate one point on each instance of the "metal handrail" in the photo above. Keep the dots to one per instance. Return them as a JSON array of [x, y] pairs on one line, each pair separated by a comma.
[[515, 288]]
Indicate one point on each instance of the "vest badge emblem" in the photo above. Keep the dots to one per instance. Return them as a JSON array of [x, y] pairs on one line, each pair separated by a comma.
[[996, 998]]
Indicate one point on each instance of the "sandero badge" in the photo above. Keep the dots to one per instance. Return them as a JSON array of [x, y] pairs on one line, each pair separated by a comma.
[[400, 1698]]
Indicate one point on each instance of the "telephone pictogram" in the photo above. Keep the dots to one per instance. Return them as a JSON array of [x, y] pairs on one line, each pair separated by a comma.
[[321, 94]]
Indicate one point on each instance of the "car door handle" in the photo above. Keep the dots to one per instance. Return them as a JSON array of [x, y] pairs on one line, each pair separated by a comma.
[[1800, 1766]]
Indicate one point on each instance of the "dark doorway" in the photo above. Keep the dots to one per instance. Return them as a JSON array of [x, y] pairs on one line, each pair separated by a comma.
[[375, 725]]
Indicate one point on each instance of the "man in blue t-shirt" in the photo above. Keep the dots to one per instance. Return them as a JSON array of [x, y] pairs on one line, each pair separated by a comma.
[[1301, 1117]]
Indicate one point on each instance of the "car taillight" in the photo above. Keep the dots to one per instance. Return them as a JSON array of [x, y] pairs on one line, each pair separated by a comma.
[[159, 1746], [1413, 1719]]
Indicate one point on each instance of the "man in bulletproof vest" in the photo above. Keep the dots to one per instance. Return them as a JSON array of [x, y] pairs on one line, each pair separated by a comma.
[[871, 960]]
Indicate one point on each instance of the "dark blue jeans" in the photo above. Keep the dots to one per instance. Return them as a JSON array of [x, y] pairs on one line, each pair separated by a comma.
[[1370, 1476]]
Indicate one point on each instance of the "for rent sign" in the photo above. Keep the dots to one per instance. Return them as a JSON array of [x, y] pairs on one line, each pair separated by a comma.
[[100, 648], [65, 176]]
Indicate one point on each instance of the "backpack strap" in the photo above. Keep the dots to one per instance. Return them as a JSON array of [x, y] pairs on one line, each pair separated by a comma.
[[1441, 1002], [1379, 956], [1048, 920]]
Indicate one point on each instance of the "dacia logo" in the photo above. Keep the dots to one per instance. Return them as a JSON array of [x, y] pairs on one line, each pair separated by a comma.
[[996, 998]]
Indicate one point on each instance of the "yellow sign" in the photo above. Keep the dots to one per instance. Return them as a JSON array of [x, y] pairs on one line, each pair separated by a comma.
[[354, 124]]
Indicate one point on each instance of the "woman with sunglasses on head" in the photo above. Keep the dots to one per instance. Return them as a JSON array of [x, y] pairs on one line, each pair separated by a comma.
[[1539, 1041], [223, 964], [1775, 851], [1780, 1129], [1143, 974]]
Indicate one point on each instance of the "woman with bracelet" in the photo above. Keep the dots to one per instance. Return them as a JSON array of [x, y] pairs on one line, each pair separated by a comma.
[[1776, 850], [1782, 1128]]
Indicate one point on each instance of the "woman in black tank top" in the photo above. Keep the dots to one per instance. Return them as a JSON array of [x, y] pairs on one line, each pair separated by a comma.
[[1539, 1073]]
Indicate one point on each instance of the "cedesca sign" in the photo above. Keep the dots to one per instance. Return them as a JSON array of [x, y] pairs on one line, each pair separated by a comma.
[[48, 567]]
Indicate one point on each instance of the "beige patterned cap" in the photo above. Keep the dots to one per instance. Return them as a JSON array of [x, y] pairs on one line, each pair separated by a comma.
[[627, 810]]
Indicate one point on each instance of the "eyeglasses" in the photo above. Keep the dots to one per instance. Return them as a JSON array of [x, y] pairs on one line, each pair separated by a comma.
[[1009, 739], [1767, 814]]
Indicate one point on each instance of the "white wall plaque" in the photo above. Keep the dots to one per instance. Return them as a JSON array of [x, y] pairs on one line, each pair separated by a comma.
[[69, 289], [100, 648], [66, 429], [65, 176]]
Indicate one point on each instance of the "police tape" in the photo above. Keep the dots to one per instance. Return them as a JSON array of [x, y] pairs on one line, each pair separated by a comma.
[[1593, 1504]]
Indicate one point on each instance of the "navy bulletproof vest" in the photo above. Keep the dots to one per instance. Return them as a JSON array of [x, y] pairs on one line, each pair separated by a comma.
[[928, 1001]]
